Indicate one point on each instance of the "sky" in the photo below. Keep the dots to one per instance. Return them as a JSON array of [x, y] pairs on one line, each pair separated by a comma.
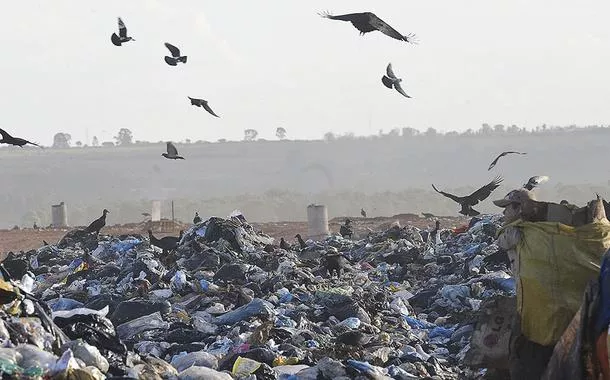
[[270, 63]]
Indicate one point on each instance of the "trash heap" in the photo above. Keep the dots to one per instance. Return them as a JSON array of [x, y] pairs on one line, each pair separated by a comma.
[[229, 304]]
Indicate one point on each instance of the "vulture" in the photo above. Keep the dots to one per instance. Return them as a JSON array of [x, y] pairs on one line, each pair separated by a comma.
[[17, 141], [176, 57], [122, 37], [202, 103], [535, 181], [172, 152], [97, 224], [284, 245], [495, 161], [301, 241], [167, 243], [470, 200], [390, 80], [346, 229], [367, 22], [197, 218]]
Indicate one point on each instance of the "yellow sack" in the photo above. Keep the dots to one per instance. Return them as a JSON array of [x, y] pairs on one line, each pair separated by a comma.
[[556, 262]]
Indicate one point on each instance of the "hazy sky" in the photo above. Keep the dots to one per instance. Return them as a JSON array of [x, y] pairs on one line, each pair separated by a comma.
[[269, 63]]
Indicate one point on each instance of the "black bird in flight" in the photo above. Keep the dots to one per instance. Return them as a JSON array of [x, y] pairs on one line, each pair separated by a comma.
[[390, 80], [362, 212], [367, 22], [17, 141], [202, 103], [176, 57], [98, 223], [535, 181], [470, 200], [172, 152], [494, 162], [122, 37]]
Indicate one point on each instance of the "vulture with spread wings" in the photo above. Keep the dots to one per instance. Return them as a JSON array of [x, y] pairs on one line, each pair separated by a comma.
[[16, 141], [367, 22], [470, 200], [494, 162]]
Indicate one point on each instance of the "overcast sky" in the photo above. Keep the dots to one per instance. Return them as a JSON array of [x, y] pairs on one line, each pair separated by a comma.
[[268, 63]]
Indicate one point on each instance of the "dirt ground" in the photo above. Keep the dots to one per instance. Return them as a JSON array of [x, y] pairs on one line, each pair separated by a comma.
[[27, 239]]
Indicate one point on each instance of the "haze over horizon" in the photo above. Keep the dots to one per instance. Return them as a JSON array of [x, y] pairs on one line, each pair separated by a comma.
[[281, 65]]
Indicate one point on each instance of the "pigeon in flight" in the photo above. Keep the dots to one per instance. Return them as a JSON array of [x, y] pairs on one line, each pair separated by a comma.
[[202, 103], [122, 37], [390, 80], [535, 181], [494, 162], [470, 200], [172, 152], [17, 141], [367, 22], [176, 57]]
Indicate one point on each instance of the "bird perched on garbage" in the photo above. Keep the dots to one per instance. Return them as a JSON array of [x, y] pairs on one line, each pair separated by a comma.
[[535, 181], [121, 38], [197, 218], [390, 80], [202, 103], [495, 161], [470, 200], [333, 261], [176, 57], [367, 22], [284, 245], [17, 141], [172, 152], [98, 223], [301, 241], [346, 229], [167, 243], [362, 212]]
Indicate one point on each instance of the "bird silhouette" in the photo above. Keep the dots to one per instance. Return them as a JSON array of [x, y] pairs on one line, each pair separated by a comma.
[[362, 212], [470, 200], [390, 80], [176, 57], [202, 103], [495, 161], [197, 218], [166, 243], [367, 22], [346, 229], [98, 223], [17, 141], [121, 38], [284, 245], [535, 181], [172, 152]]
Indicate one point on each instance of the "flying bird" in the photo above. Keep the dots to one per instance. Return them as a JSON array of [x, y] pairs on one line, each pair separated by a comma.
[[494, 162], [176, 57], [390, 80], [362, 212], [535, 181], [122, 37], [17, 141], [172, 152], [470, 200], [98, 223], [202, 103], [367, 22]]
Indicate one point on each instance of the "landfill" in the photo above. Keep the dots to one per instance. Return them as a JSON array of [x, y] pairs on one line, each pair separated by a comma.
[[229, 304]]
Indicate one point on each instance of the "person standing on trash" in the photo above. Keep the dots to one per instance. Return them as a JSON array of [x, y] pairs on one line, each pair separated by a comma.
[[527, 359]]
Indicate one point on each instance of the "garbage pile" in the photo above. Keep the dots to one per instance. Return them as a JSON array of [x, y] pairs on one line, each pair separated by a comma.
[[229, 304]]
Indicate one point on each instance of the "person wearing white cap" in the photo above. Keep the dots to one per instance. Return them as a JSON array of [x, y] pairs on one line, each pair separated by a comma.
[[527, 359]]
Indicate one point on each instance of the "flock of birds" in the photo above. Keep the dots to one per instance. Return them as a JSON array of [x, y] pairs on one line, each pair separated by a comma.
[[468, 201]]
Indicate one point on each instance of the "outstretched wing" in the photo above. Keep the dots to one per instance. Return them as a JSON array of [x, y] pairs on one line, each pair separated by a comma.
[[122, 29], [386, 81], [345, 17], [389, 71], [398, 88], [384, 28], [450, 196], [495, 161], [484, 191], [171, 149], [29, 142], [173, 50], [5, 135], [207, 108]]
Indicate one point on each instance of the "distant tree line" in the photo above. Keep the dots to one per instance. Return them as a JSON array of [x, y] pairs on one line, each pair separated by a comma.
[[125, 137]]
